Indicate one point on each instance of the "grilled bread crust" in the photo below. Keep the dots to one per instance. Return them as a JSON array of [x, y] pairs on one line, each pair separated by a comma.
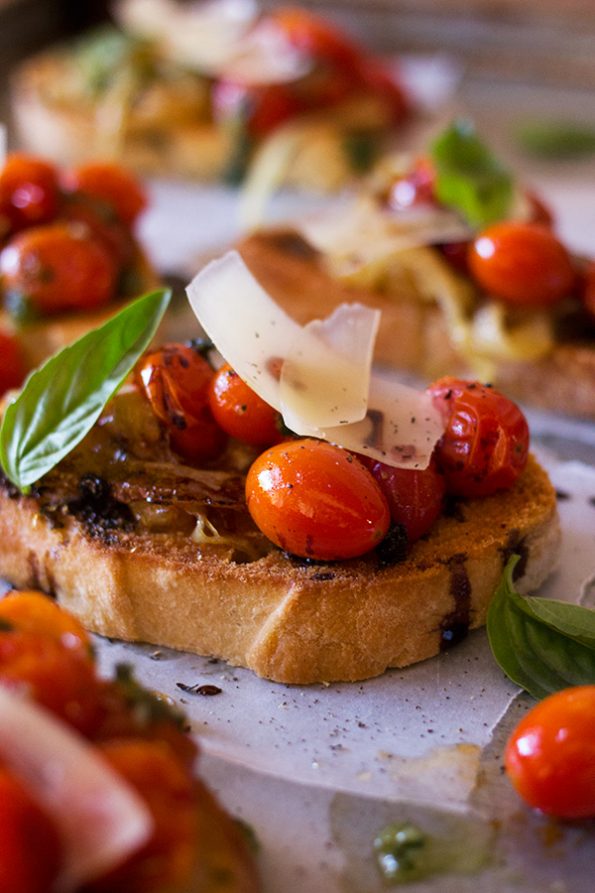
[[286, 619], [413, 335]]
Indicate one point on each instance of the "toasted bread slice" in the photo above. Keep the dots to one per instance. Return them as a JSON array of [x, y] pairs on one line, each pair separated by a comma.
[[150, 550], [158, 136], [72, 129], [414, 336]]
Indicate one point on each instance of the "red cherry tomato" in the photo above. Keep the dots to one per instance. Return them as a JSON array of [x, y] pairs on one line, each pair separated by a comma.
[[55, 269], [176, 380], [56, 677], [241, 412], [486, 440], [112, 184], [261, 107], [12, 364], [168, 861], [522, 264], [316, 37], [102, 224], [316, 500], [550, 757], [415, 497], [414, 188], [33, 612], [29, 192], [30, 852]]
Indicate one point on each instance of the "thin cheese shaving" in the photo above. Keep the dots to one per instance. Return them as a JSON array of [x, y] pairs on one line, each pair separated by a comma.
[[101, 820], [349, 335], [317, 376], [363, 232]]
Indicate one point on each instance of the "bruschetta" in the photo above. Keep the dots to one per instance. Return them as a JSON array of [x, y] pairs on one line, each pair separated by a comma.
[[465, 266], [202, 90], [190, 516]]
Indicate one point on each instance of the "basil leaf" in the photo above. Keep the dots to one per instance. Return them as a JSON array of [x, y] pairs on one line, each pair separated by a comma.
[[469, 178], [61, 401], [541, 644]]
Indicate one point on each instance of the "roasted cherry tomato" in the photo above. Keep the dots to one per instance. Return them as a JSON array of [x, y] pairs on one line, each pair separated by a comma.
[[522, 264], [33, 612], [316, 37], [29, 191], [415, 497], [12, 364], [101, 222], [550, 757], [414, 188], [316, 500], [54, 269], [260, 108], [30, 853], [168, 861], [241, 412], [56, 677], [111, 184], [176, 381], [486, 441]]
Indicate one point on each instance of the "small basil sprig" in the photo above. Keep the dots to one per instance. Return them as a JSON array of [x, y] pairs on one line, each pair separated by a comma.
[[469, 178], [541, 644], [61, 401]]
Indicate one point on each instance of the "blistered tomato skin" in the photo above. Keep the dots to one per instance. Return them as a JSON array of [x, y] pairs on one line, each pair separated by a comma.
[[550, 756], [241, 412], [12, 364], [316, 500], [485, 444], [415, 497], [111, 184], [176, 379], [55, 269], [522, 264], [29, 191]]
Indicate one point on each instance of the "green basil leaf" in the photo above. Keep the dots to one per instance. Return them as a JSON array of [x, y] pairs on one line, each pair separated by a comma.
[[469, 178], [61, 401], [543, 645]]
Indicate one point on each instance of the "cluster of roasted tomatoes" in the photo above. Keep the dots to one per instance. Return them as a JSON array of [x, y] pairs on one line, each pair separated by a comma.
[[67, 244], [522, 264], [45, 653], [317, 500], [340, 69]]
